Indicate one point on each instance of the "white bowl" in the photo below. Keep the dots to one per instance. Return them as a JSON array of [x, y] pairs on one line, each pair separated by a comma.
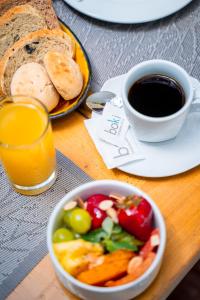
[[123, 292]]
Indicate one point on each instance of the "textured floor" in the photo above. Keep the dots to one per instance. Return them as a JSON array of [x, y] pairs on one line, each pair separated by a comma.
[[189, 288]]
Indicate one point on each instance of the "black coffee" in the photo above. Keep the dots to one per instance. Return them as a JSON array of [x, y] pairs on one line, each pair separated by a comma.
[[156, 96]]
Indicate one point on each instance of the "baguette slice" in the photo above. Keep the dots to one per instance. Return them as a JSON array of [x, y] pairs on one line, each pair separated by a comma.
[[65, 74], [32, 79], [16, 23], [44, 6], [32, 48]]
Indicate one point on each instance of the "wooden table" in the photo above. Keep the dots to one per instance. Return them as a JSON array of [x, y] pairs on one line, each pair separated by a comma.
[[178, 198]]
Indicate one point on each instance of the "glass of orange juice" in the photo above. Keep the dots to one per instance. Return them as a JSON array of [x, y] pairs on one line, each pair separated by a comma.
[[27, 152]]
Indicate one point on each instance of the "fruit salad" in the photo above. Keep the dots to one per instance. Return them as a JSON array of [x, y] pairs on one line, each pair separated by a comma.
[[106, 240]]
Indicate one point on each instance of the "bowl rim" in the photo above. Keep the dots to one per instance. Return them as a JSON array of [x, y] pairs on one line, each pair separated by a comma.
[[88, 85], [68, 197]]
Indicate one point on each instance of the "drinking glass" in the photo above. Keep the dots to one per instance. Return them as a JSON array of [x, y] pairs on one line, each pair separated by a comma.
[[27, 152]]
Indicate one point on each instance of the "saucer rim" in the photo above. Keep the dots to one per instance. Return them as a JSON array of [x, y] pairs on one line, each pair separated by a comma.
[[120, 13]]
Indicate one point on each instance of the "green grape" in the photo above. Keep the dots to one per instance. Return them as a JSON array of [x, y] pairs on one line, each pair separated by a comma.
[[62, 235], [80, 220], [66, 217]]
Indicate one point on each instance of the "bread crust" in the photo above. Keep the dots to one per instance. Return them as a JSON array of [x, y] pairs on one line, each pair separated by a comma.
[[27, 40], [18, 10], [44, 6], [13, 25], [65, 74]]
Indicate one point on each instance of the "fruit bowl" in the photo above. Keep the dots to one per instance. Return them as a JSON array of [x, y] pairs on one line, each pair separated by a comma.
[[89, 292]]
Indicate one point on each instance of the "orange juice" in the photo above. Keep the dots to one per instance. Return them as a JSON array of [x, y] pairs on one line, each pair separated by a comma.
[[26, 145]]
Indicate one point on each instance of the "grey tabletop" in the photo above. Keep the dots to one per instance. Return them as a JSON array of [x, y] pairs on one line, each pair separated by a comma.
[[114, 48]]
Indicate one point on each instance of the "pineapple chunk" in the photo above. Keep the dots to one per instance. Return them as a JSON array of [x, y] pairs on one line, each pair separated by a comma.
[[74, 255]]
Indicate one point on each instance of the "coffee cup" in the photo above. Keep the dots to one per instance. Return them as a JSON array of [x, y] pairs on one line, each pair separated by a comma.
[[156, 124]]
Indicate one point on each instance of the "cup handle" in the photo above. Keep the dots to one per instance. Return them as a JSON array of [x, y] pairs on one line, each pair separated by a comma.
[[195, 107]]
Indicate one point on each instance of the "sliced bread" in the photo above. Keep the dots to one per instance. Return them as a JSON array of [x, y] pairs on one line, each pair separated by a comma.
[[16, 23], [32, 48], [44, 6], [32, 79], [65, 74]]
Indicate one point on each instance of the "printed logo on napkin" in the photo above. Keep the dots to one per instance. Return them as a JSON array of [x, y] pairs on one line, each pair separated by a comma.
[[113, 125], [126, 151], [112, 138]]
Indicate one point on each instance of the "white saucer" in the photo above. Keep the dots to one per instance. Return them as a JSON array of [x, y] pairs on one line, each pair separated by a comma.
[[127, 11], [165, 158]]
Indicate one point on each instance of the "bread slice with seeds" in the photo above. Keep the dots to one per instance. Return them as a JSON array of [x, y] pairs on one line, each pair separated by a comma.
[[18, 22], [43, 6], [32, 48]]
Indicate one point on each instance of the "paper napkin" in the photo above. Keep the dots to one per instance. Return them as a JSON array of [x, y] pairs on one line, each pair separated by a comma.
[[111, 135]]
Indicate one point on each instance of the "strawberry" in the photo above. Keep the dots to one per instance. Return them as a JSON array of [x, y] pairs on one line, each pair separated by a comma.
[[137, 217], [95, 199], [97, 214]]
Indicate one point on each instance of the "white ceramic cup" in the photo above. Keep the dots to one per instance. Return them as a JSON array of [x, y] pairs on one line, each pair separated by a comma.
[[157, 129]]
